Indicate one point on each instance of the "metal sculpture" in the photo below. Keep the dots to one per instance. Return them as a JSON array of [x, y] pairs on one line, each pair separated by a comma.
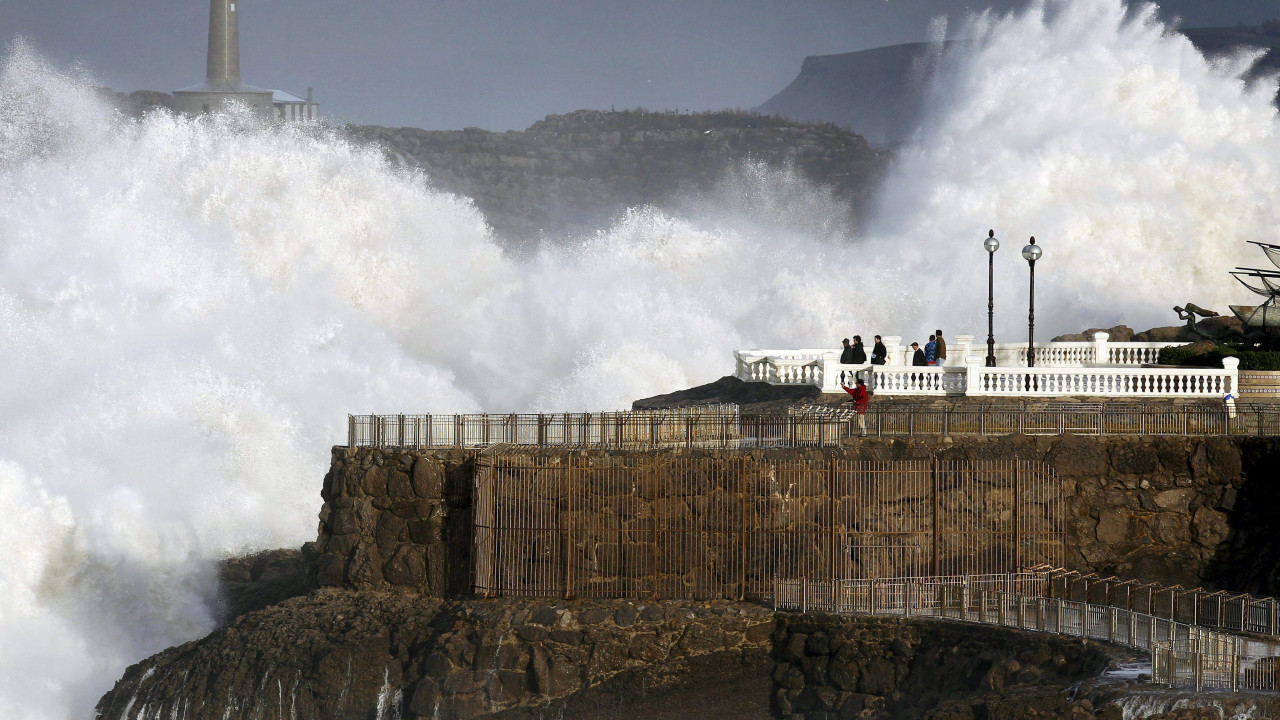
[[1260, 323]]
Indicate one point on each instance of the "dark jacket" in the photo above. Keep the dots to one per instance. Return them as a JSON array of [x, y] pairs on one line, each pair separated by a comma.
[[846, 355], [878, 354], [859, 355], [941, 351], [919, 358]]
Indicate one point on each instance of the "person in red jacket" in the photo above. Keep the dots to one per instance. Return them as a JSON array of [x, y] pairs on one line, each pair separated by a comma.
[[861, 396]]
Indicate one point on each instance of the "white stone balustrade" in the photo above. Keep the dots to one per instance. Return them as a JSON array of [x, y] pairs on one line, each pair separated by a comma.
[[906, 380], [1104, 381], [1062, 369]]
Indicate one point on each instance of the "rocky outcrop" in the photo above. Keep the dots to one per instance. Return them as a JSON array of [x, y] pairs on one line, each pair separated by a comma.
[[574, 174], [875, 667], [251, 583], [344, 655]]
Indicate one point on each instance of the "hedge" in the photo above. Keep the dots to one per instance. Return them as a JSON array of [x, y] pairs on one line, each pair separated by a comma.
[[1191, 356]]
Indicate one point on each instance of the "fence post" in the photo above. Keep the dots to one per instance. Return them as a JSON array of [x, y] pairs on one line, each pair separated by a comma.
[[351, 430], [657, 545], [742, 531], [1017, 515], [933, 555]]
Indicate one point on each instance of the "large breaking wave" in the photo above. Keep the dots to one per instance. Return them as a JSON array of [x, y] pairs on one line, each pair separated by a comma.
[[190, 307]]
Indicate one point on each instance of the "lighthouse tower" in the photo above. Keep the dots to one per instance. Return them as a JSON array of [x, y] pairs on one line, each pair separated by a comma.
[[222, 82]]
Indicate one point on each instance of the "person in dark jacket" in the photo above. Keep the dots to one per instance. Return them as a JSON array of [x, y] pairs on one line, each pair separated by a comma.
[[859, 354], [846, 355], [878, 352], [917, 358]]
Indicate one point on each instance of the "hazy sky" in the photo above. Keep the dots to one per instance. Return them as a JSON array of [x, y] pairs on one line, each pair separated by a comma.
[[500, 65]]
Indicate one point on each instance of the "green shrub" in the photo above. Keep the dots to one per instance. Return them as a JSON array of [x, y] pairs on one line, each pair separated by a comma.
[[1197, 356]]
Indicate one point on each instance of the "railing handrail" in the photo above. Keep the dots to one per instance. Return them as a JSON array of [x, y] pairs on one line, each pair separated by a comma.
[[726, 427], [965, 600]]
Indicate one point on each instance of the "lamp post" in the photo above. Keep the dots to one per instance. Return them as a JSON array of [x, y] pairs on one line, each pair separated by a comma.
[[992, 245], [1032, 253]]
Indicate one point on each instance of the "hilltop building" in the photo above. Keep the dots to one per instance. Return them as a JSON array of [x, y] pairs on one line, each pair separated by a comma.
[[222, 77]]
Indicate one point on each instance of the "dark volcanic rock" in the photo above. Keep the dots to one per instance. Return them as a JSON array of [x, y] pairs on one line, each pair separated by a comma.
[[729, 389], [251, 583], [343, 655], [577, 173]]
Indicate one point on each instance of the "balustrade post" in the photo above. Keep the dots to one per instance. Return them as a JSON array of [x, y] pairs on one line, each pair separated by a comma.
[[973, 368], [892, 350], [1232, 366], [1101, 356], [964, 346]]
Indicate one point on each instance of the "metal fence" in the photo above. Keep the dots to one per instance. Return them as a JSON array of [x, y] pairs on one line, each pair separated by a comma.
[[716, 426], [712, 528], [723, 426], [1183, 654], [1221, 609]]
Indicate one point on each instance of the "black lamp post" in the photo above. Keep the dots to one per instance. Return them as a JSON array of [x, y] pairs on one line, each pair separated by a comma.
[[1032, 253], [992, 245]]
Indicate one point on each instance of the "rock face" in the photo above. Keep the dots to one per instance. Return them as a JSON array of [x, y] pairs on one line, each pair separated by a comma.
[[577, 173], [849, 667], [396, 520], [879, 93], [343, 655]]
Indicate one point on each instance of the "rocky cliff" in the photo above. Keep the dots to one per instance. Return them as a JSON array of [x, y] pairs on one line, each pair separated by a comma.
[[879, 93], [576, 173], [381, 643]]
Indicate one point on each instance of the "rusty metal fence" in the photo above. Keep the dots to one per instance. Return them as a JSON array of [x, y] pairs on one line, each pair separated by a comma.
[[723, 426], [1182, 654], [715, 426], [725, 528], [1235, 612]]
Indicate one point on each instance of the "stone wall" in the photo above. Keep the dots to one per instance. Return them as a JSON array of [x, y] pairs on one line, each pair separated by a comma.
[[831, 667], [1188, 511], [396, 520]]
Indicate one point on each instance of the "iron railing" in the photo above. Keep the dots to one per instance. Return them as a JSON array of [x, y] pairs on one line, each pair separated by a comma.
[[1183, 654], [719, 426], [722, 528], [815, 426], [1235, 612]]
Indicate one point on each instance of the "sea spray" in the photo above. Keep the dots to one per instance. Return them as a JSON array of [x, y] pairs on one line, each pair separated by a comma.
[[191, 306], [1140, 167]]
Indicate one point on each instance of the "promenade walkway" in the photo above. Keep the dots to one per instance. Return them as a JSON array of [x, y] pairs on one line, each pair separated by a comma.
[[1229, 642]]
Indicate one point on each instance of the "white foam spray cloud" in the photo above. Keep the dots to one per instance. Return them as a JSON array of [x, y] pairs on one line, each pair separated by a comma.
[[190, 307], [1140, 167]]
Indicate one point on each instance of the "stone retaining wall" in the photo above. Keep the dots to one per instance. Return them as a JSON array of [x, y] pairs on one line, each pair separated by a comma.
[[1186, 511]]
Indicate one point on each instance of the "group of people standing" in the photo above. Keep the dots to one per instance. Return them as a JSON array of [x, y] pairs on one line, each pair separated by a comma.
[[856, 354], [934, 352]]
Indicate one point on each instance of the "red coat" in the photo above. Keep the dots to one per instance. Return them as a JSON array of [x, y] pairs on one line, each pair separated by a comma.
[[860, 397]]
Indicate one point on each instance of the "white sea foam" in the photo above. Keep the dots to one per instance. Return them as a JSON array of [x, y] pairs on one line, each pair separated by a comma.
[[190, 307]]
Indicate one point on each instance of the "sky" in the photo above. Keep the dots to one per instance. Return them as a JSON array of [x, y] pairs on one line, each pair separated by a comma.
[[500, 64]]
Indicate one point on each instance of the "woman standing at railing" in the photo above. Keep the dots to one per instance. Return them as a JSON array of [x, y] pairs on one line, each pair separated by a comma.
[[859, 354]]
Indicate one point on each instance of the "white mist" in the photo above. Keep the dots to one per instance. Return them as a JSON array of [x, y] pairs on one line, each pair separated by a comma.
[[189, 308]]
